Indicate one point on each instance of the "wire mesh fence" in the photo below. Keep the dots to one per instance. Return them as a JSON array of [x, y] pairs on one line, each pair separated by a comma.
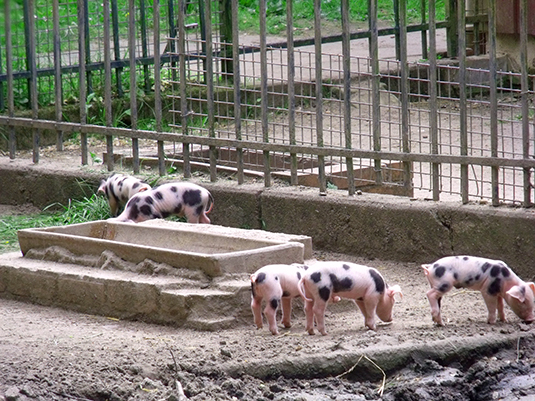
[[377, 109]]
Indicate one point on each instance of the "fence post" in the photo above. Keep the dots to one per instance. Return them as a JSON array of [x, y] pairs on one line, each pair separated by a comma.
[[291, 88], [33, 80], [319, 95], [452, 31], [107, 84], [433, 110], [158, 85], [346, 54], [12, 144], [209, 63], [264, 90], [133, 82], [463, 131], [57, 72], [404, 91], [226, 33], [376, 103], [493, 89], [144, 45], [524, 87], [81, 78], [183, 93], [117, 46], [236, 81]]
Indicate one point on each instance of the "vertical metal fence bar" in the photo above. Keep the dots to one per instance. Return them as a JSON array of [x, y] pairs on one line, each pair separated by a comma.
[[396, 27], [33, 79], [144, 44], [322, 181], [158, 85], [524, 87], [237, 83], [452, 29], [27, 22], [87, 45], [183, 93], [133, 82], [433, 110], [264, 90], [476, 30], [423, 32], [12, 144], [107, 84], [462, 98], [2, 99], [117, 47], [376, 104], [404, 91], [493, 88], [210, 88], [202, 24], [81, 78], [173, 33], [346, 54], [291, 88], [57, 72]]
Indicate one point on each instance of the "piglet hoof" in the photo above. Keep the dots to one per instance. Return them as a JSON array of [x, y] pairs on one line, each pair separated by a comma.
[[274, 332], [323, 333], [287, 325], [311, 332]]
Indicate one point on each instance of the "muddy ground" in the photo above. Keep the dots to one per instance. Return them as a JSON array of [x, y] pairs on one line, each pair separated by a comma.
[[53, 354]]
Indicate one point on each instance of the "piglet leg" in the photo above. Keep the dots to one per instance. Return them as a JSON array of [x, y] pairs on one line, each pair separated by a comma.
[[493, 303], [271, 315], [256, 307], [319, 315], [434, 297], [309, 313], [287, 312]]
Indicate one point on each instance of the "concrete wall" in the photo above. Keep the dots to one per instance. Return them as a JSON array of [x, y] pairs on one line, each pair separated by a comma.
[[368, 225]]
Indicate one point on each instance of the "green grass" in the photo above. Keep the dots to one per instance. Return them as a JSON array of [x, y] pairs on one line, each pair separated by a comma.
[[303, 13], [76, 211]]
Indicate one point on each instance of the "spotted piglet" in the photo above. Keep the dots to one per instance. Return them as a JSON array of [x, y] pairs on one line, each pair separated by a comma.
[[277, 285], [495, 280], [119, 188], [175, 198], [363, 284]]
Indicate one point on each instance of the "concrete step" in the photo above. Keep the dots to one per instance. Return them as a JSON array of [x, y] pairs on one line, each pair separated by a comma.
[[199, 304]]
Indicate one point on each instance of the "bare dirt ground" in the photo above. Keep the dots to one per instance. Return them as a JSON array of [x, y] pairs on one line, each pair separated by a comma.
[[54, 354]]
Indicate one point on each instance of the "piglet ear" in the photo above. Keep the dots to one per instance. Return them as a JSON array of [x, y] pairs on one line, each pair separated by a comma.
[[516, 292], [395, 289], [532, 286], [426, 269]]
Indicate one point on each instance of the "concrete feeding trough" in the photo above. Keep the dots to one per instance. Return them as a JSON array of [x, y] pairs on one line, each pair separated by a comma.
[[214, 250]]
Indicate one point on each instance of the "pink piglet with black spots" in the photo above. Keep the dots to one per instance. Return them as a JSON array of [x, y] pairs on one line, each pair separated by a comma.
[[363, 284], [174, 198], [276, 285], [119, 188], [496, 281]]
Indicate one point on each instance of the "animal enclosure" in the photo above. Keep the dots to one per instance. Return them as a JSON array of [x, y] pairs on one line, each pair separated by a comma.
[[418, 107]]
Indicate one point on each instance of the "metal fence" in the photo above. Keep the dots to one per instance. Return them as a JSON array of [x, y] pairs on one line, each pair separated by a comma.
[[379, 108]]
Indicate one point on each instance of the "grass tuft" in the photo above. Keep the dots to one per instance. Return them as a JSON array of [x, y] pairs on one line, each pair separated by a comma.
[[76, 211]]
